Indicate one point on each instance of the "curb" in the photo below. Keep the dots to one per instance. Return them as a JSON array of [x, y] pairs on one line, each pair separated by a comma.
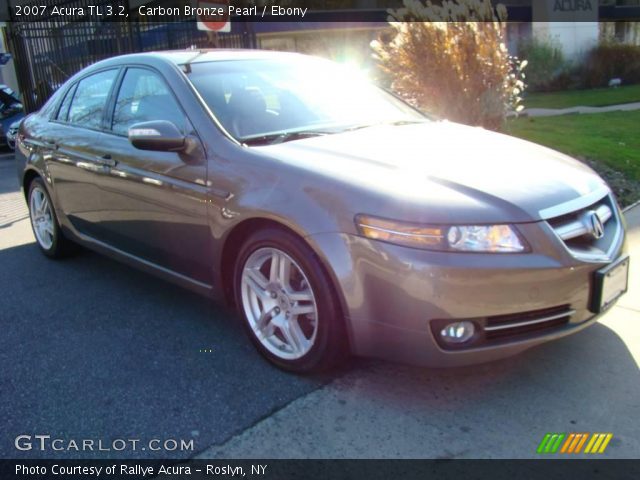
[[579, 109], [629, 207]]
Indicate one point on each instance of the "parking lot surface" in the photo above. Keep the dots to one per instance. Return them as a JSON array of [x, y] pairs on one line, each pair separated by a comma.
[[91, 349]]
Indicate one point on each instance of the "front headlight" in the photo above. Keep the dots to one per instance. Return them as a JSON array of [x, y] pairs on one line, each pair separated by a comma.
[[457, 238]]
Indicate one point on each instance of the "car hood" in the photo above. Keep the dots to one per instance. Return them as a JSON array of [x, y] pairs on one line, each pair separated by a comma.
[[448, 166]]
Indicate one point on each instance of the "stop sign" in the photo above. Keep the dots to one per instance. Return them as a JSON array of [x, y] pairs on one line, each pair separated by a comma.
[[213, 23]]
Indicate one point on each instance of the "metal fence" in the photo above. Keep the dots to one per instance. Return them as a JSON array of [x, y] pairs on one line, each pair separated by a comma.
[[49, 51]]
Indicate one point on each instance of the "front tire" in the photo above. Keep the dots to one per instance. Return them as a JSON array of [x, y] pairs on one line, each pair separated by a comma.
[[287, 302], [44, 222]]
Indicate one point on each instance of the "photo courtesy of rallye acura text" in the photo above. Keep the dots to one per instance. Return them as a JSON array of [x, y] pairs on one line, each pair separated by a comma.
[[338, 219]]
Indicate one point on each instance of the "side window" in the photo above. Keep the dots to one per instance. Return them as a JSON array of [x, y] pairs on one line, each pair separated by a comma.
[[143, 97], [90, 98], [63, 111]]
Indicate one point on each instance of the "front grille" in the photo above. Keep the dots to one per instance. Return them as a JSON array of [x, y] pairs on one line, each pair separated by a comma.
[[501, 326], [580, 233]]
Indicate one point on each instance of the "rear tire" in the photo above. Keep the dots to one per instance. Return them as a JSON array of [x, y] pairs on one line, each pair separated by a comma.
[[288, 304], [44, 222]]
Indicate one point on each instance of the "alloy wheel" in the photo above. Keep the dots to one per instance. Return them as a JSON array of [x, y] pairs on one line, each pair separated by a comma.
[[279, 303], [41, 218]]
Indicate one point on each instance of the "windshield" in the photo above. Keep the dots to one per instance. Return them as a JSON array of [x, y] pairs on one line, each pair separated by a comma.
[[285, 99]]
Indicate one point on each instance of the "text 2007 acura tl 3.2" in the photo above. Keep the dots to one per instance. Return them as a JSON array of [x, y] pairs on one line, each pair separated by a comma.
[[337, 218]]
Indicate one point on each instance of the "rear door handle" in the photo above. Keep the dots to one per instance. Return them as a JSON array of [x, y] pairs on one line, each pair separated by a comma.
[[107, 161]]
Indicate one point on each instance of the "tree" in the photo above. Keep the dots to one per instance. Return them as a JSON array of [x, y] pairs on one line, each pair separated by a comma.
[[451, 60]]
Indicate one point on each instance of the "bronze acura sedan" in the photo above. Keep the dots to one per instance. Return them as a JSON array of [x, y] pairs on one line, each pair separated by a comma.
[[337, 218]]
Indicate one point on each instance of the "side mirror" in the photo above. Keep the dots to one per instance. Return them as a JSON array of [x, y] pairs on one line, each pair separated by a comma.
[[157, 135]]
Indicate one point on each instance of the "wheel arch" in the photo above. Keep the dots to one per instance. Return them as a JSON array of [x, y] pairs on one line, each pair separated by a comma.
[[29, 176], [234, 241]]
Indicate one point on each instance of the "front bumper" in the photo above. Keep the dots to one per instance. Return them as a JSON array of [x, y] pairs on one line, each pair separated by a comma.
[[392, 295]]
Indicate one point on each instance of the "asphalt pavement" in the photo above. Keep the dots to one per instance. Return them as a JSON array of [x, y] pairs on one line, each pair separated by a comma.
[[92, 349]]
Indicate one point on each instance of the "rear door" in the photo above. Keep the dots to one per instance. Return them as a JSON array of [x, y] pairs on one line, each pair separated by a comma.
[[153, 204], [74, 158]]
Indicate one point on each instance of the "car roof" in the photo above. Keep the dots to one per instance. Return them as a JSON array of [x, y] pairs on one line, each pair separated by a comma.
[[182, 57], [178, 58]]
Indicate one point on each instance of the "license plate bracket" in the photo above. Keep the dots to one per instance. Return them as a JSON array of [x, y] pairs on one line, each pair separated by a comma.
[[609, 283]]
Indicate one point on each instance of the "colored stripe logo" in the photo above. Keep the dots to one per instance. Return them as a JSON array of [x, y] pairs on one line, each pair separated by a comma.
[[574, 443]]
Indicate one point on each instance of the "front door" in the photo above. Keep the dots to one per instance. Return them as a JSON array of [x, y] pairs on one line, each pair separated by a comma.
[[154, 203]]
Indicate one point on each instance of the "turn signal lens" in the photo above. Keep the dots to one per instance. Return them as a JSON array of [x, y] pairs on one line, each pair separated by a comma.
[[407, 234]]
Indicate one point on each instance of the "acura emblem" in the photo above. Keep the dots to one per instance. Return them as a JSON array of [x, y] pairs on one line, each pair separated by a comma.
[[595, 224]]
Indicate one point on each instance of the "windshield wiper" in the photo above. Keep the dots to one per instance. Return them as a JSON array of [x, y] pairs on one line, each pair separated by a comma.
[[275, 138], [280, 137], [377, 124]]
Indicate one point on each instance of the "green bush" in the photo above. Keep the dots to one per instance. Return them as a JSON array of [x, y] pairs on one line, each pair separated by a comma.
[[547, 69], [611, 60]]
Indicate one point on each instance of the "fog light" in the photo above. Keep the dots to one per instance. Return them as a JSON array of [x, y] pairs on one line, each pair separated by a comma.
[[458, 332]]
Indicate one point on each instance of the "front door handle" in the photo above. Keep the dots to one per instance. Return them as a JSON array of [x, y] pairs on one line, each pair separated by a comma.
[[50, 144]]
